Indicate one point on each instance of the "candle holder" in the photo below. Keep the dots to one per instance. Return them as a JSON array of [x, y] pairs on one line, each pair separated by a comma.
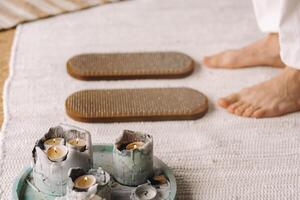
[[145, 192], [66, 166], [88, 190], [133, 158], [52, 163]]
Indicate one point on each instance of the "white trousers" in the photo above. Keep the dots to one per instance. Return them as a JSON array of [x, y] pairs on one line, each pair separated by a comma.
[[283, 17]]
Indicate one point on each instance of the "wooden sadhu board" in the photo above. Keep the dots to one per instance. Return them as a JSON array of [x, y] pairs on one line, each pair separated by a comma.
[[106, 66], [125, 105]]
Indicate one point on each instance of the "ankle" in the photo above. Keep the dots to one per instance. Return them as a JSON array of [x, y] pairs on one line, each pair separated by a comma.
[[272, 37], [270, 45], [293, 74]]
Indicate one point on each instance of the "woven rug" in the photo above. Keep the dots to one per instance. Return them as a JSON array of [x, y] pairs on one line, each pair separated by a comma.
[[219, 157], [13, 12]]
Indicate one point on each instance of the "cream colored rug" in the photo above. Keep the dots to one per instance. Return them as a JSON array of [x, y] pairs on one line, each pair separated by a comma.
[[219, 157], [13, 12]]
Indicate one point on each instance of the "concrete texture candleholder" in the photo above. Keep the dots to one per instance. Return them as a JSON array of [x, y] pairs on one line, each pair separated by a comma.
[[133, 158], [66, 166], [103, 181], [50, 171], [100, 189], [145, 192]]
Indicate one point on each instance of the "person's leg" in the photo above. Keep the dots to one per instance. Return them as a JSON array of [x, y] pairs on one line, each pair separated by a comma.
[[264, 52], [289, 29], [267, 13], [281, 94]]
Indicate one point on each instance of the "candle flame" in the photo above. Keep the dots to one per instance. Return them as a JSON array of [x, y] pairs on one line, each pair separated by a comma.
[[55, 150], [85, 179], [54, 140], [135, 146], [77, 140]]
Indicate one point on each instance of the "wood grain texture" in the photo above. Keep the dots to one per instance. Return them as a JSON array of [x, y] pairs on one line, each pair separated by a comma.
[[6, 39]]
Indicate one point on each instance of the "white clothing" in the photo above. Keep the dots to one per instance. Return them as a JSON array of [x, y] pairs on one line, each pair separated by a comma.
[[267, 14], [282, 16]]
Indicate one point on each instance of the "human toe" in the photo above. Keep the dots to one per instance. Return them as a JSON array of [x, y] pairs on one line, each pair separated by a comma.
[[225, 102]]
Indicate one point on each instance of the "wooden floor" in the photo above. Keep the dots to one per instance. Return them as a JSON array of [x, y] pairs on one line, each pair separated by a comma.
[[6, 39]]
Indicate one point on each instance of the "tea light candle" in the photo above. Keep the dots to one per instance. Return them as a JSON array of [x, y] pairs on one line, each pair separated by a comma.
[[77, 143], [84, 182], [54, 141], [145, 192], [134, 145], [57, 153]]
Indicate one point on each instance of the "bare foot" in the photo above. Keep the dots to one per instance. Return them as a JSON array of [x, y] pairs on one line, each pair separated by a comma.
[[264, 52], [275, 97]]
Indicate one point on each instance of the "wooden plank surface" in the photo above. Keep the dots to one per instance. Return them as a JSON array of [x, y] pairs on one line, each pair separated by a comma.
[[6, 39]]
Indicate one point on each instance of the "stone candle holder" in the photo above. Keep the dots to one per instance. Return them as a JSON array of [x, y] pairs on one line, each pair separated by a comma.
[[133, 158], [145, 191], [51, 176], [66, 166], [99, 191]]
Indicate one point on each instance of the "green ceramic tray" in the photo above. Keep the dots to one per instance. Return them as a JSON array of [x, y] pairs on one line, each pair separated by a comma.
[[102, 157]]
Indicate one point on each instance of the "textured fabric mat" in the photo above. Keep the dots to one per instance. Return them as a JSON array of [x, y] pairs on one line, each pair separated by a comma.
[[13, 12], [220, 157]]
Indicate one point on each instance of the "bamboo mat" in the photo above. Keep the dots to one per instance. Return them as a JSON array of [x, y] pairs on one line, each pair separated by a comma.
[[6, 38]]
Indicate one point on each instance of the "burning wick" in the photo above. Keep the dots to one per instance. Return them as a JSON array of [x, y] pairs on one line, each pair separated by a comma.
[[54, 141], [57, 153], [84, 182], [77, 143], [134, 145]]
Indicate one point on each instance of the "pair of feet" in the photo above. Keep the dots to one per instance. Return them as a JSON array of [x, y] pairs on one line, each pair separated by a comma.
[[275, 97]]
